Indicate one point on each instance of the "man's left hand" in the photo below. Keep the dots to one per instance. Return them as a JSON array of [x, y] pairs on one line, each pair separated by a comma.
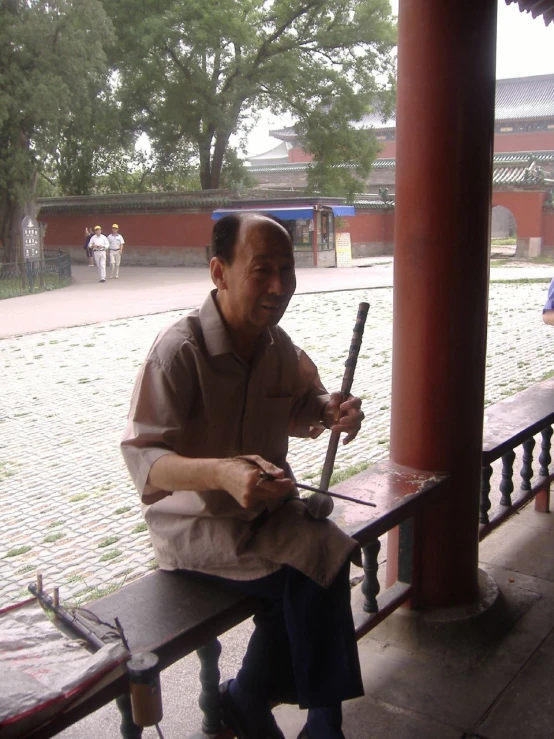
[[349, 414]]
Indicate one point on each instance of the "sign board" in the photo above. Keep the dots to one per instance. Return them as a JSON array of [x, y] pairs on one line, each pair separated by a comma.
[[30, 238], [343, 250]]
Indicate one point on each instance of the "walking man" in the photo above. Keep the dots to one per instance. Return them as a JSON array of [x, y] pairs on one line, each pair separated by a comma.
[[89, 233], [99, 245], [212, 409], [116, 244]]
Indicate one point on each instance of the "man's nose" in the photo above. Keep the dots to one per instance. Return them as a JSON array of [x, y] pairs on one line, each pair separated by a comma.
[[282, 282], [277, 283]]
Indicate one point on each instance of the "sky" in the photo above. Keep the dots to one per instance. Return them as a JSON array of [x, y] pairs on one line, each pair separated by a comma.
[[525, 46]]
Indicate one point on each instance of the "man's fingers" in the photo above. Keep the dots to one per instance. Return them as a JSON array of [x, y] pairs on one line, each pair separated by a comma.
[[265, 466], [267, 490], [275, 488]]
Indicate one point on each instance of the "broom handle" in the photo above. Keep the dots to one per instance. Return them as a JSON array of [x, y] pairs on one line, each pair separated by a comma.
[[347, 380]]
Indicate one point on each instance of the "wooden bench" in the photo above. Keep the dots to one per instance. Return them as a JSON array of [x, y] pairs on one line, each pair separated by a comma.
[[173, 615]]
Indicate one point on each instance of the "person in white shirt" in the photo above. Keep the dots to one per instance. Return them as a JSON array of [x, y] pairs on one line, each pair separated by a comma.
[[99, 245], [116, 244]]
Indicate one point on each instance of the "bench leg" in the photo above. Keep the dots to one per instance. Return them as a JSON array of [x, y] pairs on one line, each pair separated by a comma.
[[209, 680], [128, 728]]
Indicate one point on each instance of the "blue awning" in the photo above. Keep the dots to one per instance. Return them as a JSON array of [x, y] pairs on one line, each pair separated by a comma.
[[343, 210], [287, 214]]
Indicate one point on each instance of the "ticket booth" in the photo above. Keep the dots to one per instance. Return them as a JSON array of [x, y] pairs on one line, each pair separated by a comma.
[[312, 228]]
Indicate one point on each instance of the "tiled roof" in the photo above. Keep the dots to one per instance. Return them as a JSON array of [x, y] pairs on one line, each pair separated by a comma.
[[525, 98], [517, 98], [199, 200], [369, 203], [509, 175], [523, 157], [536, 8], [129, 202], [285, 134], [278, 152], [303, 166], [532, 174]]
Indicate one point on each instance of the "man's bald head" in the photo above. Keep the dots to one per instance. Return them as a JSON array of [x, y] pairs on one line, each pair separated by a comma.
[[227, 230]]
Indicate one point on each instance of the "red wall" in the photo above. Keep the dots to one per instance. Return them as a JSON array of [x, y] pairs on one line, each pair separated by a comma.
[[503, 142], [298, 155], [140, 230], [526, 207], [371, 227], [533, 141], [548, 228], [388, 150]]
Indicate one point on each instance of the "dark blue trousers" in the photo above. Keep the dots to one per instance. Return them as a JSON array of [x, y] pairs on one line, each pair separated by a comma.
[[303, 649]]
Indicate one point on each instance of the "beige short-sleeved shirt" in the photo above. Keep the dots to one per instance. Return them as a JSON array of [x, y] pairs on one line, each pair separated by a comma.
[[196, 398]]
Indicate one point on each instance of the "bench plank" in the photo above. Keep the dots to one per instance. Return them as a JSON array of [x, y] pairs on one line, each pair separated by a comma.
[[172, 614], [507, 423]]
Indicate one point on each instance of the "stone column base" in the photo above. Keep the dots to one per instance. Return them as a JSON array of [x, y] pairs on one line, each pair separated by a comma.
[[529, 247]]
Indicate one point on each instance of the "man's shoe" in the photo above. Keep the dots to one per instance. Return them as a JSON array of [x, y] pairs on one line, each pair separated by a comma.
[[235, 720], [102, 280]]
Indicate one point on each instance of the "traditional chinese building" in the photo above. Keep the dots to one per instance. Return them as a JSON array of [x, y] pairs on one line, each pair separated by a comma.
[[523, 175], [174, 228]]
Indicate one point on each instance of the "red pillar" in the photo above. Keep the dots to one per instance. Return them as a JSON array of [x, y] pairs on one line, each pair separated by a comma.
[[444, 139]]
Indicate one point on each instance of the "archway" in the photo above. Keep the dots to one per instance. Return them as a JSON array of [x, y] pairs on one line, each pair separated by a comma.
[[503, 232], [527, 206]]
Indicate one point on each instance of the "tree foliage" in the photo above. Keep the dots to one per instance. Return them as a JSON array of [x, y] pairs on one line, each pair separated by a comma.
[[194, 72], [52, 63]]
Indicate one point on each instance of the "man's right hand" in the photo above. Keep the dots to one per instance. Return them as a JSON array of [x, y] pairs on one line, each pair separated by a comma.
[[241, 479]]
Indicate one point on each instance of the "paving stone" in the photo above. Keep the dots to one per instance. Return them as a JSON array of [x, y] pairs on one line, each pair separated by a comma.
[[66, 410]]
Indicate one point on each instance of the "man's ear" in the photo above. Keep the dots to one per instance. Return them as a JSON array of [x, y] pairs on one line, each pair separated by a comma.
[[217, 272]]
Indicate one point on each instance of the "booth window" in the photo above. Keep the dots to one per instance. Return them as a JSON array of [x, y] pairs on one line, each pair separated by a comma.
[[302, 229]]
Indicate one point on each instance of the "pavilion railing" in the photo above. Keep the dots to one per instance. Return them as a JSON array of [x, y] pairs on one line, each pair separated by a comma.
[[517, 455], [513, 496], [402, 495], [516, 458]]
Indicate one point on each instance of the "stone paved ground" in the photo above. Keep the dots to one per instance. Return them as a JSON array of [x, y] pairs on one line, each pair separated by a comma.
[[67, 506]]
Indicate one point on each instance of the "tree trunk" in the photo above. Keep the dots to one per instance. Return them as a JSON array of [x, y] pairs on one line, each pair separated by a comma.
[[204, 150], [12, 245], [11, 213], [217, 161]]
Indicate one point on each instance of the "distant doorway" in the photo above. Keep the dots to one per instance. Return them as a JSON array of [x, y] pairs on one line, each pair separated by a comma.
[[503, 232]]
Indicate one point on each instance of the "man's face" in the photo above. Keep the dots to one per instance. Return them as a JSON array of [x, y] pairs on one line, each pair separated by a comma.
[[259, 284], [97, 232], [114, 230]]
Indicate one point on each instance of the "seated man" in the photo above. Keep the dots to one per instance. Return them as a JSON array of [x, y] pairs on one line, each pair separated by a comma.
[[548, 310], [212, 409]]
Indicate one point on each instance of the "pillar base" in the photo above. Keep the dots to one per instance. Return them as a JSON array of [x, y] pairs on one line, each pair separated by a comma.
[[444, 618], [470, 627], [529, 247]]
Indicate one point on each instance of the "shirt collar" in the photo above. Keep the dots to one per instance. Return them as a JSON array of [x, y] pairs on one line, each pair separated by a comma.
[[216, 338]]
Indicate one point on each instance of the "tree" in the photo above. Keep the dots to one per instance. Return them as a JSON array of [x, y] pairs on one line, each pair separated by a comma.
[[196, 71], [52, 54]]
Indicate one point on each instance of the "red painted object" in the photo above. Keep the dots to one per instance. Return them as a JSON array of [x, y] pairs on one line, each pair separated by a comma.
[[445, 132]]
